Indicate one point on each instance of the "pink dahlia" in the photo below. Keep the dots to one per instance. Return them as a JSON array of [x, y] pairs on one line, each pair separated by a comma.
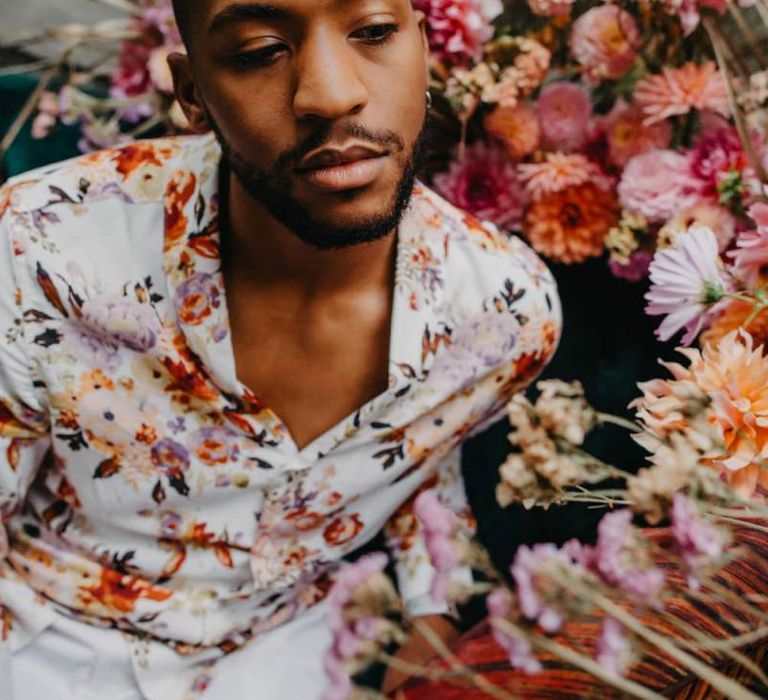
[[458, 29], [627, 136], [564, 110], [605, 40], [686, 282], [485, 184], [750, 257], [677, 91], [658, 183]]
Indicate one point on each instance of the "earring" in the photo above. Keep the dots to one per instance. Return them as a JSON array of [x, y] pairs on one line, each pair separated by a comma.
[[429, 100]]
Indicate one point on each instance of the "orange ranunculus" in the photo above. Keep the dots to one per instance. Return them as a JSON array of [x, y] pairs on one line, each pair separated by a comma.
[[571, 225]]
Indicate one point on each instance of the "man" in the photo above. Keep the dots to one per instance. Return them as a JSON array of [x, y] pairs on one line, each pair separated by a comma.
[[230, 360]]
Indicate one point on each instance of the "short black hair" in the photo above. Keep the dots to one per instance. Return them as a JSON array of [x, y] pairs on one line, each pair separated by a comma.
[[181, 11]]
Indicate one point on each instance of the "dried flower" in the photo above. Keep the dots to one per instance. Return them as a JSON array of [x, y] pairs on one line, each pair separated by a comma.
[[621, 559], [358, 603], [564, 110], [679, 90], [652, 489], [538, 575], [627, 136], [516, 127], [636, 267], [570, 225], [696, 540], [563, 410], [614, 650], [656, 184], [686, 282], [558, 172], [604, 40], [440, 526], [485, 184], [517, 647]]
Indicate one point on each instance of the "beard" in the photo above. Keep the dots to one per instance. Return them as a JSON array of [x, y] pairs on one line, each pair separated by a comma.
[[273, 188]]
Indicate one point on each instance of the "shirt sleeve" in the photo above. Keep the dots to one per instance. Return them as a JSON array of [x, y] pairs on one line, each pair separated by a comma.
[[405, 540], [24, 432]]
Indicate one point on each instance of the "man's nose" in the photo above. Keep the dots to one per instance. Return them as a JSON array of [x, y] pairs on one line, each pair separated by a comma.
[[328, 84]]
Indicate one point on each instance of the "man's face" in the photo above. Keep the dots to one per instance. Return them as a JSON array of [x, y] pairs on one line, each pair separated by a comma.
[[319, 106]]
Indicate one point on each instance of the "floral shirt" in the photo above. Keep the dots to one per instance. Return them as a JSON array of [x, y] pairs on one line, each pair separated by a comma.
[[142, 486]]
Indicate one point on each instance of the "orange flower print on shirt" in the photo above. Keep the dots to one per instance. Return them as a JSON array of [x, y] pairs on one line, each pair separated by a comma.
[[119, 593], [216, 445], [130, 158], [304, 520], [178, 193], [196, 299], [343, 529]]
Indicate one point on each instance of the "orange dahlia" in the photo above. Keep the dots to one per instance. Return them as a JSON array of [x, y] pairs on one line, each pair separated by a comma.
[[570, 226], [517, 128], [734, 316], [734, 375]]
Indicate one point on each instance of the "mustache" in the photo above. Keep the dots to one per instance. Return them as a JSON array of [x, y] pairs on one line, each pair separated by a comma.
[[386, 139]]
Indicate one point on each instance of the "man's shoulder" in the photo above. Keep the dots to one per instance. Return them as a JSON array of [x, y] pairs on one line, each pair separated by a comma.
[[132, 173], [475, 252]]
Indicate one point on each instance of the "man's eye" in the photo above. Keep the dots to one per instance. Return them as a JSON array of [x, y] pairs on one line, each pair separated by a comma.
[[376, 33], [260, 57]]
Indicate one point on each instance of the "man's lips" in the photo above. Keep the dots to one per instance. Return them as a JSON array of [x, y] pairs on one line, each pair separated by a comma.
[[342, 169]]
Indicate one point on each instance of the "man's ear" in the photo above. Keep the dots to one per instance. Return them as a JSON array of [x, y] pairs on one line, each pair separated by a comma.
[[185, 88]]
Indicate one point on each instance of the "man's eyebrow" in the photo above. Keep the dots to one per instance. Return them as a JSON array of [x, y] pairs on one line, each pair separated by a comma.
[[244, 12]]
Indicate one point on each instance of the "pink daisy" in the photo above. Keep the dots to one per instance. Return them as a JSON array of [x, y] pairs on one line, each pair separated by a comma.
[[679, 90], [686, 281]]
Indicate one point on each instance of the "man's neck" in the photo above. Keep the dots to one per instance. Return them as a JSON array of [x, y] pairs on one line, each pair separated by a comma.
[[262, 253]]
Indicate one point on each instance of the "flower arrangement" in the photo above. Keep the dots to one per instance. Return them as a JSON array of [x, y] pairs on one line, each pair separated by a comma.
[[594, 128]]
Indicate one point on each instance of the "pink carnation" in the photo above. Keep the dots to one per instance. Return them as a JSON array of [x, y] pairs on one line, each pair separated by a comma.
[[750, 257], [718, 153], [485, 184], [658, 183], [627, 136], [604, 40], [564, 112], [132, 79], [458, 28]]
